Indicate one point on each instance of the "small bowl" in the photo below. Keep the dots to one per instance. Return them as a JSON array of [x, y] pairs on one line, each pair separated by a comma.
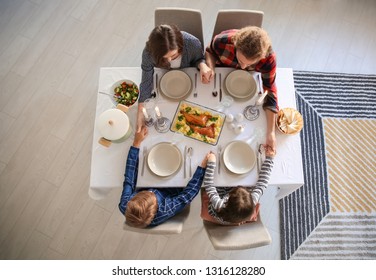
[[131, 86], [289, 121]]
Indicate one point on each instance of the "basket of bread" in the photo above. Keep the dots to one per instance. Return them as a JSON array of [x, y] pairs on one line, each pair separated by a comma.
[[289, 121]]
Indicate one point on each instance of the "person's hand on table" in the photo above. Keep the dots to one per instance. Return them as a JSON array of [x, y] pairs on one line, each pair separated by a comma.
[[206, 73], [140, 136], [208, 157], [269, 152], [270, 142], [210, 62]]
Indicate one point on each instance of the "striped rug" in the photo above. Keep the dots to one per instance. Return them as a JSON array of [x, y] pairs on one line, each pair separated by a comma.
[[333, 216]]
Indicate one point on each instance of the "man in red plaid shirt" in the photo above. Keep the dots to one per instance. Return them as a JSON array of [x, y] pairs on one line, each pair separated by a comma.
[[250, 49]]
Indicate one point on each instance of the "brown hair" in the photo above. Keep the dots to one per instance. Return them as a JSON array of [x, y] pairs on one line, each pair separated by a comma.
[[253, 42], [239, 206], [162, 39], [141, 209]]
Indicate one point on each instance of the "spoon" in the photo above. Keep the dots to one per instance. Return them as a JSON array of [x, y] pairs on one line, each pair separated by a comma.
[[154, 92], [195, 93], [105, 93], [215, 93]]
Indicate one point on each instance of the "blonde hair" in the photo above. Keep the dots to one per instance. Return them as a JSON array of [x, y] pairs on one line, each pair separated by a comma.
[[141, 209], [253, 42], [239, 206]]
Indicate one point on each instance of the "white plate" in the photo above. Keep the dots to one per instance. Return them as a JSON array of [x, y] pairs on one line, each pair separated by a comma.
[[164, 159], [175, 84], [240, 84], [239, 157]]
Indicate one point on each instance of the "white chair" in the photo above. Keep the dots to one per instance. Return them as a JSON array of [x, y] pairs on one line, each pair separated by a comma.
[[188, 20], [236, 19], [173, 225], [250, 235]]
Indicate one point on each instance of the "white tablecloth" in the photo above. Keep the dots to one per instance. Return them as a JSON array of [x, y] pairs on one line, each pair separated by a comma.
[[108, 164]]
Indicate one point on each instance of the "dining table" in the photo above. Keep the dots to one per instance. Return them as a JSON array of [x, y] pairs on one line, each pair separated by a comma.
[[108, 163]]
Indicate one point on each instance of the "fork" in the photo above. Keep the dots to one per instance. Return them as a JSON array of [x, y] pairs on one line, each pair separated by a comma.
[[215, 93], [195, 93]]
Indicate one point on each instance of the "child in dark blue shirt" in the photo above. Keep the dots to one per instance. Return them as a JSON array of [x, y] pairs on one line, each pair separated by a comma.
[[153, 206]]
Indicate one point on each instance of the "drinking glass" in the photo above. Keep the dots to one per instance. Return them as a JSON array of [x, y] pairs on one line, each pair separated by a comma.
[[225, 103], [149, 105]]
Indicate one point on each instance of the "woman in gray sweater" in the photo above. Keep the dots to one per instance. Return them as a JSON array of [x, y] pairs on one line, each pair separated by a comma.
[[169, 48]]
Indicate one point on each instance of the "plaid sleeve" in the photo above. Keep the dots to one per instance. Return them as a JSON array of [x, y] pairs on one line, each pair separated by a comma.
[[268, 68], [171, 205], [211, 190], [191, 190], [222, 48], [130, 177]]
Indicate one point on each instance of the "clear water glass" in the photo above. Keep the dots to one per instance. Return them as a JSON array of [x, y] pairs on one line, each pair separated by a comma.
[[149, 105], [227, 101]]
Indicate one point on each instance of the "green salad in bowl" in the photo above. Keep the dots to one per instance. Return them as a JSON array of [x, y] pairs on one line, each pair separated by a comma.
[[125, 92]]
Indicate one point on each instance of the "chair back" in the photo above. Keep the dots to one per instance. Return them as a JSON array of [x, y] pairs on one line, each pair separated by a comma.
[[173, 225], [188, 20], [249, 235], [236, 19]]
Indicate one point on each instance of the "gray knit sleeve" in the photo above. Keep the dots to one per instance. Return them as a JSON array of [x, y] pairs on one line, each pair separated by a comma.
[[211, 190], [147, 67], [263, 180], [193, 53]]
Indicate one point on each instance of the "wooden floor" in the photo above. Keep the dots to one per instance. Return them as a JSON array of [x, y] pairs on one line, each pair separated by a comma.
[[50, 55]]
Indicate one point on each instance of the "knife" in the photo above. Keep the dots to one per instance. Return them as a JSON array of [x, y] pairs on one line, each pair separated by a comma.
[[145, 151], [258, 157], [185, 162], [220, 87], [189, 152], [219, 158], [156, 83]]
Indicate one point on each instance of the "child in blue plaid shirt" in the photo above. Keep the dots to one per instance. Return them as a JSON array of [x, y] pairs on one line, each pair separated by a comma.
[[153, 206]]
